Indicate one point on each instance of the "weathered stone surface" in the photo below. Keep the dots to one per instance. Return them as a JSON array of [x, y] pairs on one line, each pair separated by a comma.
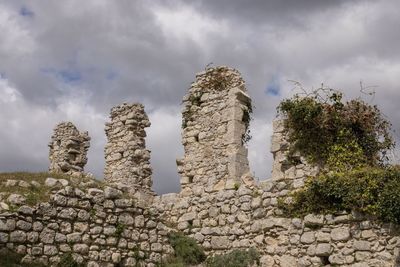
[[219, 242], [340, 234], [362, 245], [323, 249], [314, 220], [16, 199], [127, 160], [68, 149], [214, 122]]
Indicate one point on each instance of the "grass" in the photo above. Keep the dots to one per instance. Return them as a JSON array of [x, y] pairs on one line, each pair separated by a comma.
[[35, 194]]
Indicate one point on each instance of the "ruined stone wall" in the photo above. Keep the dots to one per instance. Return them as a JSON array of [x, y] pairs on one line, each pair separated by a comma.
[[249, 217], [127, 159], [217, 206], [214, 124], [288, 173], [101, 228], [68, 149]]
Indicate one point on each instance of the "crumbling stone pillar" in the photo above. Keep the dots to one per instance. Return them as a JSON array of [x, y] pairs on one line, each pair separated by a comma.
[[291, 171], [127, 160], [68, 149], [215, 124]]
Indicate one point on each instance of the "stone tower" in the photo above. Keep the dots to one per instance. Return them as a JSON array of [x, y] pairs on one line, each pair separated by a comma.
[[68, 149], [127, 160], [215, 121]]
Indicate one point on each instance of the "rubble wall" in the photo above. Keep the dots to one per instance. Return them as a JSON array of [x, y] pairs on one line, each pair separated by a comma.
[[218, 206], [68, 149], [249, 216], [98, 227], [127, 159], [214, 125]]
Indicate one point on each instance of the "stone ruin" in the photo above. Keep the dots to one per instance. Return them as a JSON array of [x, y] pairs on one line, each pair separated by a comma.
[[215, 122], [289, 172], [68, 149], [127, 159], [217, 205]]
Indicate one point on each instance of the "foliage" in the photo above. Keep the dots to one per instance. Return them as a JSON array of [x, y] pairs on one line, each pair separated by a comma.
[[67, 260], [119, 230], [336, 134], [10, 258], [187, 251], [235, 258], [372, 190]]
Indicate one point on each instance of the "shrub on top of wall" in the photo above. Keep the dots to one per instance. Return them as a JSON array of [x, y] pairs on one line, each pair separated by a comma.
[[333, 133], [349, 141], [371, 190]]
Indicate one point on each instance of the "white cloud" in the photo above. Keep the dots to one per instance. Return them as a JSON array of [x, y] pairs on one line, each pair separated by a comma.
[[185, 24]]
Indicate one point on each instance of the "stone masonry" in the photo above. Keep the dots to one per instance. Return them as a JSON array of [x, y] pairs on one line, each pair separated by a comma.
[[68, 149], [127, 159], [290, 173], [217, 205], [98, 227], [215, 121]]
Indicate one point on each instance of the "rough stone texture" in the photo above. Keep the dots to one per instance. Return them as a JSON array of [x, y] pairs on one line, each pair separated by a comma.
[[215, 112], [127, 159], [219, 205], [93, 226], [68, 149]]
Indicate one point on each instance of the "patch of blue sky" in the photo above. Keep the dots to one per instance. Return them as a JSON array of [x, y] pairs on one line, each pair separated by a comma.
[[273, 87], [26, 12], [111, 75], [65, 75]]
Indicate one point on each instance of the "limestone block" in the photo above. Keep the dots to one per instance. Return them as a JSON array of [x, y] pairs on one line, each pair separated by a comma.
[[219, 242], [340, 234]]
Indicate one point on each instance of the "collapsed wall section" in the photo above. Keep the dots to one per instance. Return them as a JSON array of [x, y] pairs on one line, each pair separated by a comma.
[[127, 159], [68, 149], [215, 124], [289, 171]]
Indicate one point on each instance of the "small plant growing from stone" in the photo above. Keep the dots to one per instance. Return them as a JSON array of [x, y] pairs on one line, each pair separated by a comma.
[[235, 258], [119, 230], [67, 260], [236, 186]]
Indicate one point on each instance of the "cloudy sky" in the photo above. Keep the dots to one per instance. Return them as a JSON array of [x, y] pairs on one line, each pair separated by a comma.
[[74, 60]]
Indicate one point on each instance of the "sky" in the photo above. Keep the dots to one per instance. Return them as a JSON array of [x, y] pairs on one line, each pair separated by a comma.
[[74, 60]]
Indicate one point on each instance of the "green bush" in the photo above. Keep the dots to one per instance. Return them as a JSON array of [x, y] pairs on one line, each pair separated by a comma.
[[187, 251], [10, 258], [371, 190], [67, 260], [336, 134], [235, 258]]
